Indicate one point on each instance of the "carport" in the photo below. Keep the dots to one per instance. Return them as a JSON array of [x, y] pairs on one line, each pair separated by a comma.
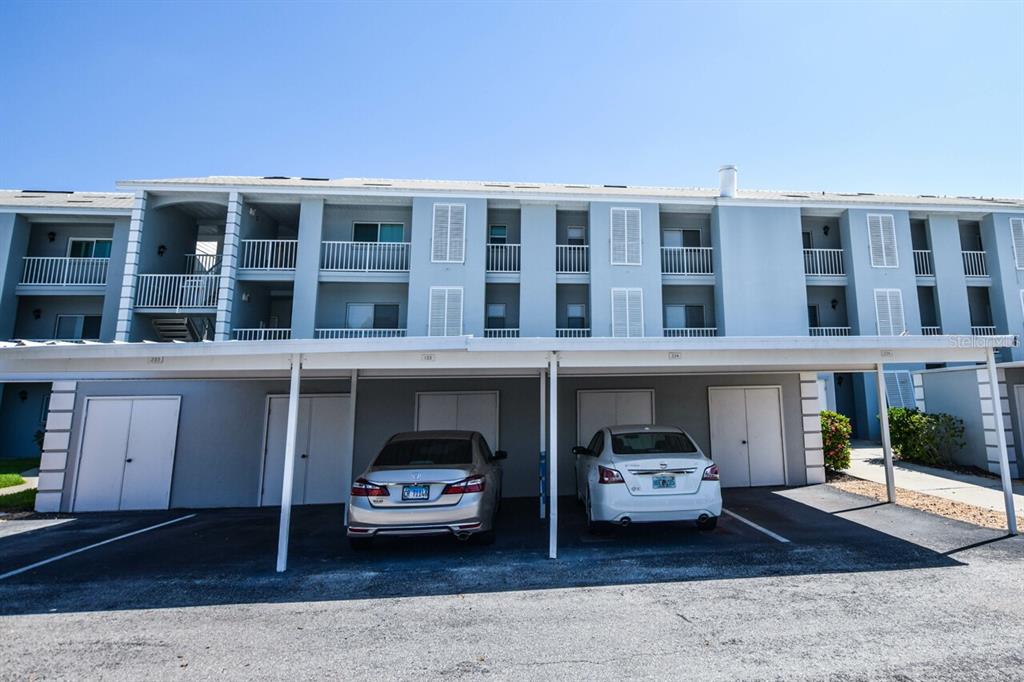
[[549, 362]]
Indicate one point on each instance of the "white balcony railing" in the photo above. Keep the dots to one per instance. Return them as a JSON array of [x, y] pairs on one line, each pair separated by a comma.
[[686, 260], [931, 331], [572, 333], [502, 333], [823, 262], [829, 331], [263, 334], [690, 331], [503, 258], [202, 263], [177, 291], [365, 256], [982, 330], [268, 254], [974, 264], [572, 258], [64, 271], [334, 333], [923, 263]]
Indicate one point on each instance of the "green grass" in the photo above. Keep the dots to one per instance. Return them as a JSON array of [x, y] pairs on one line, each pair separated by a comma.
[[7, 480], [10, 470], [23, 501]]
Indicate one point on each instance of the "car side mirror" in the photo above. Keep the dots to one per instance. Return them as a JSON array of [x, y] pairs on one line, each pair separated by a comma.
[[580, 450], [500, 454]]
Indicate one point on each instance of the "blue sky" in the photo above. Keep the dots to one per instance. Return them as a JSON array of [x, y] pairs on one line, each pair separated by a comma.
[[909, 98]]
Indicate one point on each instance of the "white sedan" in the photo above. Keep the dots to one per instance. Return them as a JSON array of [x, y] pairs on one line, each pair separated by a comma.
[[634, 474]]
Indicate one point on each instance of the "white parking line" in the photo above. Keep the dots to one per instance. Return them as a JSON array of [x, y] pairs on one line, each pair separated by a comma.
[[773, 536], [92, 546]]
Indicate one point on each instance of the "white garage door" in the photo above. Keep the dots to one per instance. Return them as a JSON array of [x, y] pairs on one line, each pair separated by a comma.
[[323, 450], [127, 454], [462, 411], [597, 409], [746, 435]]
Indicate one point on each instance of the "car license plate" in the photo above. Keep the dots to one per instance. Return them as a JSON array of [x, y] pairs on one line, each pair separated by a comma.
[[415, 492], [662, 482]]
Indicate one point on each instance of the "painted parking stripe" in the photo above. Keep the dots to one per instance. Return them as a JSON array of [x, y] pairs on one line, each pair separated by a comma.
[[37, 564], [774, 536]]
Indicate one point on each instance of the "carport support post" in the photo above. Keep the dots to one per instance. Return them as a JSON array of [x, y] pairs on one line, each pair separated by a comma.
[[883, 417], [1004, 459], [289, 465], [553, 458], [543, 434]]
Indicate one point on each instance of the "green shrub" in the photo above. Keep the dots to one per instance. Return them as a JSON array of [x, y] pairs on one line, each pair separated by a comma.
[[925, 438], [835, 436]]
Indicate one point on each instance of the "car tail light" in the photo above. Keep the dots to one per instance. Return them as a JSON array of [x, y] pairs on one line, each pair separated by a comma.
[[473, 484], [711, 473], [363, 488], [606, 475]]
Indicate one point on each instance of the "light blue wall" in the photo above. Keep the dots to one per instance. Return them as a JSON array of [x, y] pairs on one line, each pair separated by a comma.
[[115, 277], [760, 287], [40, 244], [566, 294], [950, 283], [14, 237], [671, 220], [21, 419], [537, 270], [1007, 280], [307, 268], [169, 227], [28, 327], [338, 220], [334, 298], [822, 296], [510, 218]]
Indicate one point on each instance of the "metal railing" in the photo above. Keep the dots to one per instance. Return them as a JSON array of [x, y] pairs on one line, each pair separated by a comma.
[[503, 333], [690, 331], [64, 271], [572, 258], [365, 256], [177, 291], [268, 254], [823, 262], [262, 334], [686, 260], [336, 333], [974, 264], [202, 263], [503, 258], [982, 330], [923, 263], [829, 331], [931, 331], [572, 333]]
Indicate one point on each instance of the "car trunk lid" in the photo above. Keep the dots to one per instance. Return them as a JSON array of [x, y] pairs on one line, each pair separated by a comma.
[[661, 474], [417, 486]]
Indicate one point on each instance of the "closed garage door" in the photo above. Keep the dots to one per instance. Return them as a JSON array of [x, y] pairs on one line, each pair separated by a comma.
[[597, 409], [746, 435], [127, 453], [461, 411]]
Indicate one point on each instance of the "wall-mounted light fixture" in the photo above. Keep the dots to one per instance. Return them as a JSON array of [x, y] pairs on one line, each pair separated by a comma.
[[825, 230], [37, 313], [834, 303], [246, 297], [23, 395], [161, 250], [52, 236]]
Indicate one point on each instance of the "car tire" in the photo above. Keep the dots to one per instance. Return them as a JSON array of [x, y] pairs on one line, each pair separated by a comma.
[[594, 527], [708, 523], [360, 544], [484, 537]]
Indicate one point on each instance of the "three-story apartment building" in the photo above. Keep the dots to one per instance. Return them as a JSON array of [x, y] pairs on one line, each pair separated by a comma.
[[162, 324]]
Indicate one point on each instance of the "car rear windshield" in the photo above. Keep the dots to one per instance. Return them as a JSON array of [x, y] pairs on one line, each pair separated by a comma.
[[425, 452], [651, 443]]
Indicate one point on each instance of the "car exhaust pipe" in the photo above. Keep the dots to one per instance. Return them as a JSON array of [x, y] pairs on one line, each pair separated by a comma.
[[625, 521], [463, 536], [703, 518]]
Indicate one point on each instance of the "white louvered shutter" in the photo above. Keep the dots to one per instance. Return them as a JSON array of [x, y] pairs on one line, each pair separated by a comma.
[[618, 236], [439, 245], [635, 308], [438, 296], [453, 312], [633, 236], [620, 313], [457, 233], [899, 389], [882, 241], [1017, 232], [889, 312]]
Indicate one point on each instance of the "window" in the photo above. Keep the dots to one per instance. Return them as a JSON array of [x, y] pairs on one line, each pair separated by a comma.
[[497, 234], [496, 316], [651, 443], [1017, 232], [627, 312], [899, 389], [576, 315], [445, 311], [576, 235], [76, 327], [882, 241], [449, 234], [371, 316], [808, 240], [89, 248], [597, 443], [889, 312], [691, 238], [812, 316], [378, 232], [678, 238], [425, 452], [684, 317], [625, 236]]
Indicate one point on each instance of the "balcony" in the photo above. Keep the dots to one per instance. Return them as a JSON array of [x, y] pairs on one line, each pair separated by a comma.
[[572, 333], [823, 262], [365, 257], [333, 333], [64, 271], [268, 254], [504, 333], [829, 331], [202, 263], [689, 332], [262, 334], [176, 292], [923, 266], [686, 260], [974, 264], [503, 258], [982, 330], [572, 259], [931, 331]]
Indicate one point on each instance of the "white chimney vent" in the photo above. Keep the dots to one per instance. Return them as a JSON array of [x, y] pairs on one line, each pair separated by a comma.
[[727, 181]]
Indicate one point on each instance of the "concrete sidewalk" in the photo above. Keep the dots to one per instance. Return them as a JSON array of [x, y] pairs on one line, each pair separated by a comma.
[[31, 482], [866, 462]]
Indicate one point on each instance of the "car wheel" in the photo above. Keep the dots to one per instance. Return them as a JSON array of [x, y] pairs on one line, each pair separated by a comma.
[[485, 537], [708, 523], [360, 544]]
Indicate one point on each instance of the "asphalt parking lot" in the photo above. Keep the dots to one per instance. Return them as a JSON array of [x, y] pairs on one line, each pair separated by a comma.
[[786, 573]]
